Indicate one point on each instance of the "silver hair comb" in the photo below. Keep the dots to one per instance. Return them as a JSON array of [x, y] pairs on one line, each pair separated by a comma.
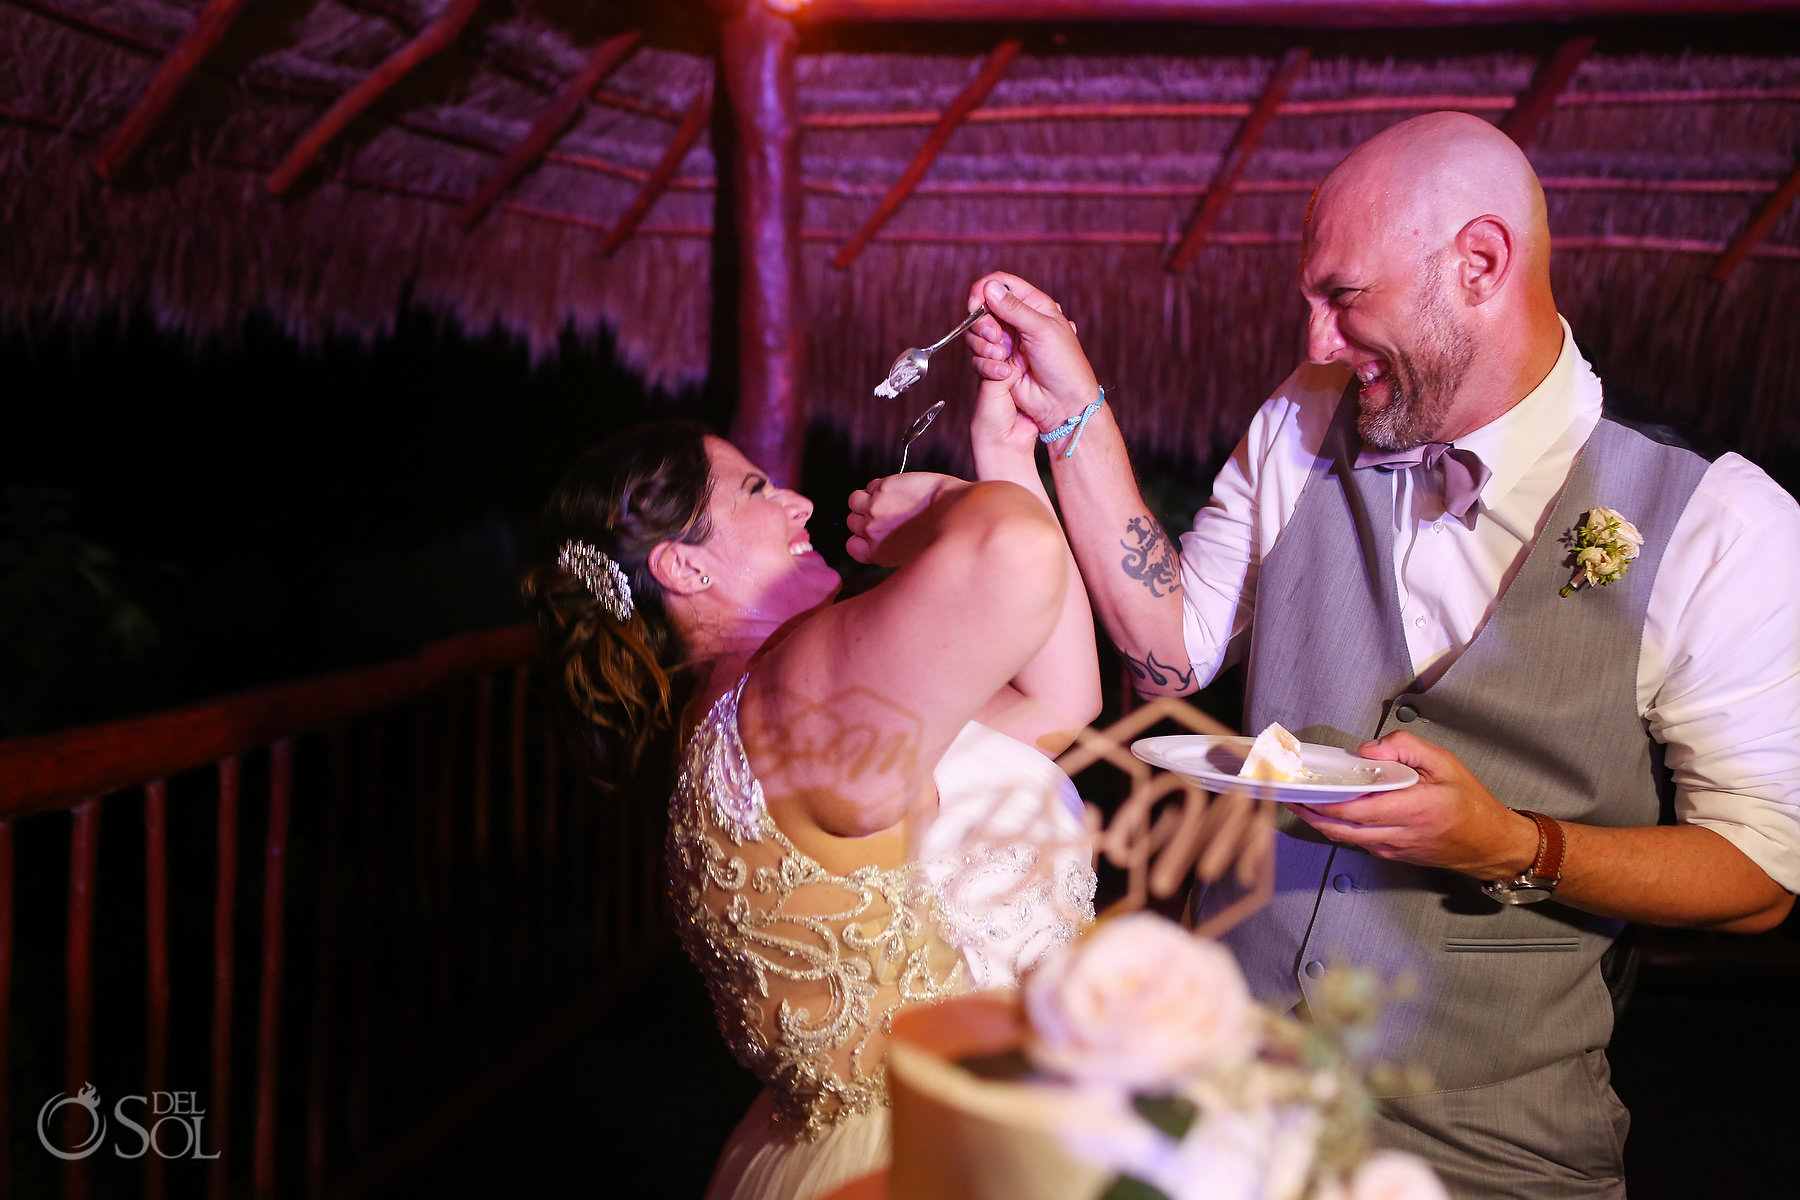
[[603, 577]]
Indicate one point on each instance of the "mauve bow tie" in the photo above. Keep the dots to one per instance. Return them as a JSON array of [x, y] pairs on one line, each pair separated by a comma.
[[1462, 471]]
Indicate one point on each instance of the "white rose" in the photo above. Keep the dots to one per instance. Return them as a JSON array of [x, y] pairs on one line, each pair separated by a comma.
[[1292, 1148], [1621, 530], [1139, 1003], [1393, 1175], [1224, 1157], [1103, 1129], [1596, 563]]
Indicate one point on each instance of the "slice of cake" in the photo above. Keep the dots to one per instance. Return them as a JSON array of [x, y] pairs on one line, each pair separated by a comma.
[[1275, 756]]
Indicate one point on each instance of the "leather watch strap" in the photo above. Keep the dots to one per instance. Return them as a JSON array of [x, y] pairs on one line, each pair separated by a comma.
[[1549, 861]]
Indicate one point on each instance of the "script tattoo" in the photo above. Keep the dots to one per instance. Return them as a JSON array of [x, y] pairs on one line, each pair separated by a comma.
[[1156, 678], [1150, 557]]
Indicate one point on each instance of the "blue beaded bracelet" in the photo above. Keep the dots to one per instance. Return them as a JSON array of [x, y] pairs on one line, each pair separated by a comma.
[[1073, 425]]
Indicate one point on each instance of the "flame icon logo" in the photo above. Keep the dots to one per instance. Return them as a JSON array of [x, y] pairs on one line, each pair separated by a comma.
[[87, 1098]]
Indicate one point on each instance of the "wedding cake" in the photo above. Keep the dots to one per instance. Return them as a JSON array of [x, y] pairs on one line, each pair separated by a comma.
[[1134, 1063]]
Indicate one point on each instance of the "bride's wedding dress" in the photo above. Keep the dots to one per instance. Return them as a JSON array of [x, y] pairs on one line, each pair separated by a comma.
[[807, 968]]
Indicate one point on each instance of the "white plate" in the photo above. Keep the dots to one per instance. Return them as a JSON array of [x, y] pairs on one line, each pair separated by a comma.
[[1215, 762]]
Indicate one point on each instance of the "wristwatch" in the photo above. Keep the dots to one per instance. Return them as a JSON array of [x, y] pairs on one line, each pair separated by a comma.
[[1539, 880]]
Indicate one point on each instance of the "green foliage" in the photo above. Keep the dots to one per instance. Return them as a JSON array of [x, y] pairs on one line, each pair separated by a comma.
[[1126, 1187], [67, 629], [1174, 1115]]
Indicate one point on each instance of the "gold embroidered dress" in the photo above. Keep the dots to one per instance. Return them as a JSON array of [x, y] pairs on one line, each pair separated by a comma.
[[806, 968]]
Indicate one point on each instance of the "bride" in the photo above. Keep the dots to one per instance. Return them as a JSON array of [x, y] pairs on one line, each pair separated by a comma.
[[865, 813]]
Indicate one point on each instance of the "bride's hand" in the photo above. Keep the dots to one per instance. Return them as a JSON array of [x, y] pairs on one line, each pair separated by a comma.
[[998, 425], [883, 524]]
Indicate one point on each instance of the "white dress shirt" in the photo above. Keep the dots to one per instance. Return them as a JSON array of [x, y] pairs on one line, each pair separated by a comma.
[[1718, 679]]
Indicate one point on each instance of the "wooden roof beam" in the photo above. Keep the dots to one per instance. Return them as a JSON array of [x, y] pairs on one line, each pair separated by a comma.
[[991, 71], [1759, 227], [548, 127], [529, 74], [692, 124], [1551, 80], [209, 28], [1237, 155], [435, 38]]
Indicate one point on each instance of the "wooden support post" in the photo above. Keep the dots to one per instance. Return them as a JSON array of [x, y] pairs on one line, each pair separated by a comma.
[[757, 55], [548, 127], [1521, 125], [691, 127], [983, 83], [436, 37], [1759, 227], [214, 22], [1237, 155]]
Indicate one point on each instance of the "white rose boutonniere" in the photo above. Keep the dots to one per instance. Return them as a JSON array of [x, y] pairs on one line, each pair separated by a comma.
[[1604, 545]]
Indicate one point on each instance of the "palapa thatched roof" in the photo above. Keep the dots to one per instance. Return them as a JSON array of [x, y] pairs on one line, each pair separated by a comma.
[[1081, 170]]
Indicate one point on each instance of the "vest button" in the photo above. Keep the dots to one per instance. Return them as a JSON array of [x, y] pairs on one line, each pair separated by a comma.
[[1342, 883], [1314, 969], [1406, 712]]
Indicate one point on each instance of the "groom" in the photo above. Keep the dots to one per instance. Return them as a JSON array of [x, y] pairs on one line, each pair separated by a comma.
[[1386, 545]]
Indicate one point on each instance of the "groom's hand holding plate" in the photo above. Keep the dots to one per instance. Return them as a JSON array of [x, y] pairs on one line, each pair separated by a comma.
[[1447, 819]]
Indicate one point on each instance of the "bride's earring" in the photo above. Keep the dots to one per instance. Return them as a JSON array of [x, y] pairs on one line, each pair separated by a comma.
[[706, 581]]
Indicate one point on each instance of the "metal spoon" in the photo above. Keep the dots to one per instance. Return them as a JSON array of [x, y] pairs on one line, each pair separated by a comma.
[[919, 426], [912, 364]]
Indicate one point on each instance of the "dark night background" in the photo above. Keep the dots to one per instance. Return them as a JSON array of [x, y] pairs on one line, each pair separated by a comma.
[[180, 524]]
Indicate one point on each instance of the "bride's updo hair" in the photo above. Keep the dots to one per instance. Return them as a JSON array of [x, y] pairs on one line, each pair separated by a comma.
[[623, 679]]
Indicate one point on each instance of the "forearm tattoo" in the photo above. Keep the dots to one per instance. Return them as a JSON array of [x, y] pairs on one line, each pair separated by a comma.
[[1150, 556], [1155, 678]]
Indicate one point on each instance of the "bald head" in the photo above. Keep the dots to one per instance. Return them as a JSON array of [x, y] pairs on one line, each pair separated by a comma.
[[1420, 182]]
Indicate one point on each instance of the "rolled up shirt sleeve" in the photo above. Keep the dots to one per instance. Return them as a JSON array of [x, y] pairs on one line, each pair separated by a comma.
[[1719, 669], [1253, 498]]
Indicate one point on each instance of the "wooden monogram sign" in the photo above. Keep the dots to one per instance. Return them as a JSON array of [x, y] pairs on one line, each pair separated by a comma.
[[1170, 829]]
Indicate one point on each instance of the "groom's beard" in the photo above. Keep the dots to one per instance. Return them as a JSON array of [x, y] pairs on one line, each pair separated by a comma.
[[1423, 380]]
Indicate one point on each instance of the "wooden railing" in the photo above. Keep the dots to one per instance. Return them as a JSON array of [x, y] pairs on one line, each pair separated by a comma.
[[321, 924]]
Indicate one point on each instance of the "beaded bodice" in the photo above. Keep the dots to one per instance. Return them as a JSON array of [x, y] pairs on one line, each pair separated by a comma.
[[806, 968]]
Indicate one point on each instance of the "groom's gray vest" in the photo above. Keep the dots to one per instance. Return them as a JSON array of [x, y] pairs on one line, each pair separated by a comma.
[[1542, 707]]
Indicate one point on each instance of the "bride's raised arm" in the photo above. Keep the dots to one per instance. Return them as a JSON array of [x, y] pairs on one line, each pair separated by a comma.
[[1057, 692], [844, 719]]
